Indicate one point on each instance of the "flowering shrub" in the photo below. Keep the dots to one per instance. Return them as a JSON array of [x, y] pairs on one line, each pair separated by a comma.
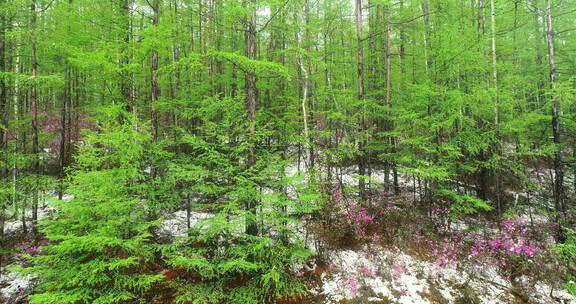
[[33, 250], [358, 218], [509, 248], [446, 254], [512, 241]]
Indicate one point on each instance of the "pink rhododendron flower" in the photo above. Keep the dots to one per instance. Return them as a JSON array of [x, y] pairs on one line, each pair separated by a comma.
[[352, 285], [367, 271]]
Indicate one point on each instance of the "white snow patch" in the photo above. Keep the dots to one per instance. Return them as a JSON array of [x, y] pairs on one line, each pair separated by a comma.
[[391, 274], [13, 284], [14, 225], [544, 292], [176, 223]]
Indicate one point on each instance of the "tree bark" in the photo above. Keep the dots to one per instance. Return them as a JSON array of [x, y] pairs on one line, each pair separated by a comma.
[[34, 109], [15, 104], [360, 78], [251, 104], [125, 78], [556, 109], [305, 88], [496, 103], [388, 64], [4, 117], [154, 88]]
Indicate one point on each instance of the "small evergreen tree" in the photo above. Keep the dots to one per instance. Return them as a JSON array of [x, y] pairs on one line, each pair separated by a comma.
[[99, 249]]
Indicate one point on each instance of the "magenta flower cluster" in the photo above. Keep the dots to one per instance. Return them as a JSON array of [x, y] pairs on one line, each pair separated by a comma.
[[367, 271], [359, 218], [511, 241], [398, 269], [356, 215], [446, 254], [34, 250], [352, 285]]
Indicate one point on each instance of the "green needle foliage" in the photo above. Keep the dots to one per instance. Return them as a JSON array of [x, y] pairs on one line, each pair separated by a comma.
[[100, 249], [253, 113]]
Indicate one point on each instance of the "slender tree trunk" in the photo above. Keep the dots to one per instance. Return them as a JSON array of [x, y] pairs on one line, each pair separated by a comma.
[[3, 119], [34, 109], [65, 121], [16, 112], [234, 80], [309, 70], [494, 64], [155, 90], [388, 64], [539, 98], [63, 125], [556, 110], [125, 78], [251, 104], [201, 37], [305, 88], [496, 103], [188, 213], [360, 78], [401, 55], [426, 19]]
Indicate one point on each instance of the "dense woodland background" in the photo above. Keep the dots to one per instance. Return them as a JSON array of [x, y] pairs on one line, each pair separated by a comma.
[[257, 111]]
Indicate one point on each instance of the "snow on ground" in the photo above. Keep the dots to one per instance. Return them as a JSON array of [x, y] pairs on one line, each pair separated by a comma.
[[15, 225], [349, 175], [175, 224], [393, 276], [545, 292], [13, 285]]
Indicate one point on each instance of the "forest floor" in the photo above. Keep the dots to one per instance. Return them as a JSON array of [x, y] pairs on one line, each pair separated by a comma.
[[370, 274], [381, 274], [406, 270]]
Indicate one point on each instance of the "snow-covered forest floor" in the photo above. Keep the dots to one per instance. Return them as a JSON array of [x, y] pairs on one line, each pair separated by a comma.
[[400, 271], [375, 274]]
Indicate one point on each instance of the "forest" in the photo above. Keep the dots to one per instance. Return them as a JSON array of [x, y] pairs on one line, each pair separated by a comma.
[[287, 151]]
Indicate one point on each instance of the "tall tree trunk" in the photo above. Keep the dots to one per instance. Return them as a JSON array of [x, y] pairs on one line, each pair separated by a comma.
[[34, 109], [426, 19], [496, 103], [251, 104], [360, 78], [494, 64], [65, 121], [125, 78], [556, 110], [389, 123], [15, 104], [538, 59], [155, 90], [309, 70], [304, 104], [3, 119]]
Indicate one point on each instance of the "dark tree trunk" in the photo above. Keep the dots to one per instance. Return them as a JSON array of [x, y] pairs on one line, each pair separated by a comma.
[[251, 104], [154, 88], [3, 119], [125, 78]]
